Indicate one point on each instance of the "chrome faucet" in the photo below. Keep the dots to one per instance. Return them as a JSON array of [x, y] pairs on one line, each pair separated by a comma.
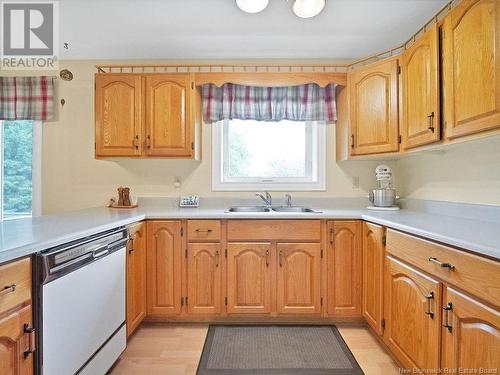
[[267, 199], [288, 200]]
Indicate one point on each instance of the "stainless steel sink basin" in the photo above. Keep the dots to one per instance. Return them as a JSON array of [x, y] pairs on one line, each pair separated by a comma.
[[249, 209], [293, 209]]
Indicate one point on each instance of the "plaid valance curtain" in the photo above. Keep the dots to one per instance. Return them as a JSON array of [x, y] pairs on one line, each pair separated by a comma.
[[308, 102], [26, 98]]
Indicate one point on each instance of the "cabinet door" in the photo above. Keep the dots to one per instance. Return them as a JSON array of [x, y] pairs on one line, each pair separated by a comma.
[[164, 256], [168, 115], [473, 339], [374, 108], [14, 342], [373, 271], [118, 116], [299, 271], [249, 278], [471, 67], [412, 315], [136, 277], [204, 278], [344, 268], [421, 120]]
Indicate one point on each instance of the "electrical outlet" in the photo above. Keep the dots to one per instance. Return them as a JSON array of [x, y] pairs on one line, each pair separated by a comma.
[[355, 182]]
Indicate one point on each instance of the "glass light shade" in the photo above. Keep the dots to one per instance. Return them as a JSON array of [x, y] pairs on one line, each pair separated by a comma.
[[308, 8], [252, 6]]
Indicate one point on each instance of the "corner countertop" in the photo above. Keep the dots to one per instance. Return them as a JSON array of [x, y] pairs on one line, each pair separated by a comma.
[[470, 227]]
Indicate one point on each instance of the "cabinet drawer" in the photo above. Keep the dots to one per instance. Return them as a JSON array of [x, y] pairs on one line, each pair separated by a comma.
[[203, 230], [15, 284], [477, 275], [274, 230]]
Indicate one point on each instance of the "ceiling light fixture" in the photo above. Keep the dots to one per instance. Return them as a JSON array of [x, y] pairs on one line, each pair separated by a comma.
[[252, 6], [308, 8]]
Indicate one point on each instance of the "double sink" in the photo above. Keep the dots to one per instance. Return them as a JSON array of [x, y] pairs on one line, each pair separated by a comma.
[[250, 209]]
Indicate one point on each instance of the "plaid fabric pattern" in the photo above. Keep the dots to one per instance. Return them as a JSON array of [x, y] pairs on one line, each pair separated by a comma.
[[308, 102], [26, 98]]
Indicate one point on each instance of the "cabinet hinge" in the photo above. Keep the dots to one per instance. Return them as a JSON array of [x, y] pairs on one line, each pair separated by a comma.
[[186, 301], [382, 323], [384, 240], [400, 139], [321, 301], [192, 85], [399, 69], [321, 253], [225, 301], [192, 145], [225, 253], [186, 253], [182, 301], [182, 231]]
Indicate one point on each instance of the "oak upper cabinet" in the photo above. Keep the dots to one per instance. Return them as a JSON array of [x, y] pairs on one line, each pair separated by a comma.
[[471, 333], [164, 260], [118, 115], [299, 282], [344, 268], [249, 280], [412, 315], [421, 109], [374, 108], [168, 123], [204, 288], [136, 276], [471, 67], [373, 272]]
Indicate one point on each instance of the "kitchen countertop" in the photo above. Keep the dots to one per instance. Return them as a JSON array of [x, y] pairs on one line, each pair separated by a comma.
[[471, 227]]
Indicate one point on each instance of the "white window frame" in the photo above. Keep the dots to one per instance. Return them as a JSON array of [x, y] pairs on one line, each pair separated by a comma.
[[315, 164], [36, 170]]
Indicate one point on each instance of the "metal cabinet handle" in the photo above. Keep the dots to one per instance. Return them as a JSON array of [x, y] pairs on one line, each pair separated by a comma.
[[217, 258], [130, 245], [447, 309], [429, 298], [203, 230], [441, 264], [281, 258], [431, 122], [267, 258], [30, 331], [8, 289]]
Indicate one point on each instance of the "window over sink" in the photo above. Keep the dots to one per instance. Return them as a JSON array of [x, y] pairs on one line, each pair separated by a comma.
[[252, 155], [20, 179]]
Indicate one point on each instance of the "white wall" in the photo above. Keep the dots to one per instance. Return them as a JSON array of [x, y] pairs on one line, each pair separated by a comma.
[[467, 172]]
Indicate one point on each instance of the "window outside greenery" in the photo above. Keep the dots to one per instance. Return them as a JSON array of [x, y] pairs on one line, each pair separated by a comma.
[[17, 187]]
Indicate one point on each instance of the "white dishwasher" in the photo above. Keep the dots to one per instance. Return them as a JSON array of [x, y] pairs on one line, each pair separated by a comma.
[[81, 305]]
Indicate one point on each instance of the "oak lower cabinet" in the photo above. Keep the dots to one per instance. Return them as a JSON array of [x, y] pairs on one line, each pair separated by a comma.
[[373, 95], [471, 68], [249, 281], [299, 281], [17, 335], [136, 276], [164, 274], [373, 275], [344, 268], [471, 333], [204, 278], [412, 315]]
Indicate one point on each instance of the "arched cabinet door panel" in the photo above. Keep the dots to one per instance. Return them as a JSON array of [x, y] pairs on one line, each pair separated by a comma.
[[374, 108], [413, 315], [471, 68], [164, 260], [249, 278], [471, 336], [168, 115], [299, 269], [118, 115], [204, 278], [421, 110]]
